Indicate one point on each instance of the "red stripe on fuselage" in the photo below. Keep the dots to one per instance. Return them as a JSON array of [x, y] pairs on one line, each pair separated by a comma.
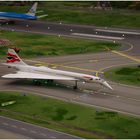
[[87, 77]]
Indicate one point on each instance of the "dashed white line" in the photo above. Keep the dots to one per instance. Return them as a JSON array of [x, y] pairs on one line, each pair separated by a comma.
[[23, 129], [14, 126], [5, 123], [59, 132], [116, 31], [32, 131], [98, 36]]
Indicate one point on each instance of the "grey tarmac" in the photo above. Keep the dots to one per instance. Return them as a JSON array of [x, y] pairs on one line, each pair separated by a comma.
[[19, 129], [124, 99]]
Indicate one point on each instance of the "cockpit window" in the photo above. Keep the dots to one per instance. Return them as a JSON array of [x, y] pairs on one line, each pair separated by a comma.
[[99, 79]]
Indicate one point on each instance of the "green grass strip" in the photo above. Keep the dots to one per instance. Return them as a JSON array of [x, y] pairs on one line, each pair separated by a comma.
[[81, 13], [34, 45], [72, 118], [125, 75]]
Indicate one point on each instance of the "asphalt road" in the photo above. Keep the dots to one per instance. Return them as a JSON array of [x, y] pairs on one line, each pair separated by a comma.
[[24, 130], [83, 31], [124, 99]]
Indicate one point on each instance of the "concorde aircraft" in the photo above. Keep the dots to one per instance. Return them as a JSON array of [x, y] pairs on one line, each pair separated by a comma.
[[30, 15], [25, 71]]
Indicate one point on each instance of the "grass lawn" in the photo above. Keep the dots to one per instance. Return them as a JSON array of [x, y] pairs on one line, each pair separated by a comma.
[[80, 13], [98, 18], [33, 45], [125, 75], [76, 119]]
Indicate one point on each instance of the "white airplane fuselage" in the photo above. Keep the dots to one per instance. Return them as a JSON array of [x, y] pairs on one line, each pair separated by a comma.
[[45, 70], [25, 71]]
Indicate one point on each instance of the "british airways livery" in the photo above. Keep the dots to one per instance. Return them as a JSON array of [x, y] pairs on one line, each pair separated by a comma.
[[25, 71], [31, 15]]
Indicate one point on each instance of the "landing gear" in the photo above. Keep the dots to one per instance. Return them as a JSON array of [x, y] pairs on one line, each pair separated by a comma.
[[7, 22], [50, 81], [11, 22], [42, 82], [76, 86], [37, 82]]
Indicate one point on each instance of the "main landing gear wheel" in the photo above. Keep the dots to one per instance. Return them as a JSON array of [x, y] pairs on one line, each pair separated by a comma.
[[42, 82], [76, 85]]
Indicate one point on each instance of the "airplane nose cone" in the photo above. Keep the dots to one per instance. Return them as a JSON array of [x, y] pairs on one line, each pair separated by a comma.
[[107, 85]]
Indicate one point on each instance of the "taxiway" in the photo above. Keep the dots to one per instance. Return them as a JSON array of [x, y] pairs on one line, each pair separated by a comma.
[[18, 129], [124, 99]]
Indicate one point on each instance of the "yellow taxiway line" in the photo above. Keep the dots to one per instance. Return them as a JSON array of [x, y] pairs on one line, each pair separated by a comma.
[[121, 54], [116, 65], [59, 65], [127, 56]]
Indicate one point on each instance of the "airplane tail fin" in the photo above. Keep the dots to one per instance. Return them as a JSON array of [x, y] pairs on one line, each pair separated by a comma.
[[32, 11], [13, 58]]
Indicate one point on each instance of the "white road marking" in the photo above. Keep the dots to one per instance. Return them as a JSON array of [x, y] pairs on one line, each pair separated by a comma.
[[23, 128], [14, 126], [98, 36], [52, 130], [32, 131], [114, 31], [5, 123], [93, 61]]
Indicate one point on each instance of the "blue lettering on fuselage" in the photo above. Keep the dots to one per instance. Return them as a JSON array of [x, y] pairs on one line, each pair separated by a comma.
[[16, 15]]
